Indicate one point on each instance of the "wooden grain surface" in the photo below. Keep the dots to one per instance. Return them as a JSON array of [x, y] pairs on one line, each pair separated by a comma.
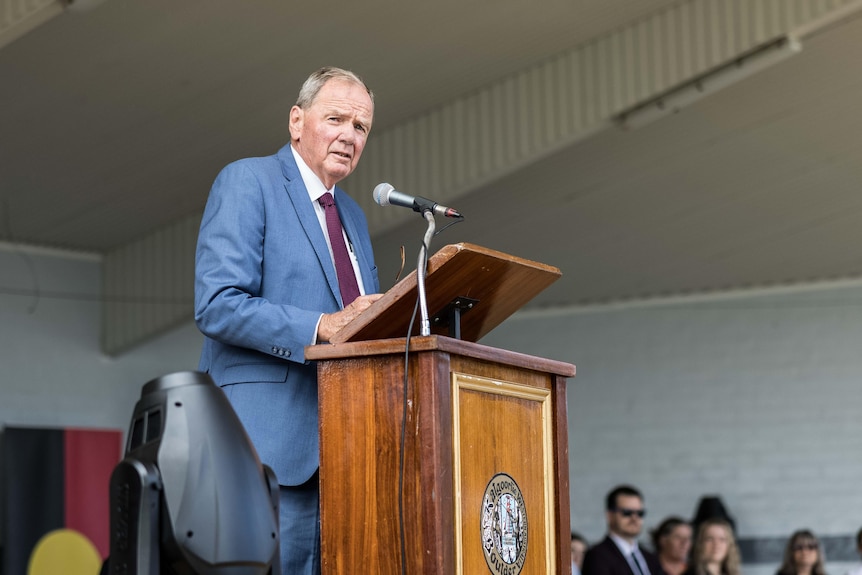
[[361, 402], [501, 283]]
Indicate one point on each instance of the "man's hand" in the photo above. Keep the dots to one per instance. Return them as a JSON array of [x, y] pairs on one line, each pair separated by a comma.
[[331, 323]]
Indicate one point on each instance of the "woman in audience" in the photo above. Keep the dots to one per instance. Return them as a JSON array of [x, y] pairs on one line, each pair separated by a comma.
[[579, 547], [803, 555], [715, 550], [672, 542]]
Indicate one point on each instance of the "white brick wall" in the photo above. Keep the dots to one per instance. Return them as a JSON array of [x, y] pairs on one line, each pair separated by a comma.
[[756, 398], [53, 372]]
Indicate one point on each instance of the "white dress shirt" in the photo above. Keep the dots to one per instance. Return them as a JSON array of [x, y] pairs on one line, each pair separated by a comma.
[[632, 553], [316, 189]]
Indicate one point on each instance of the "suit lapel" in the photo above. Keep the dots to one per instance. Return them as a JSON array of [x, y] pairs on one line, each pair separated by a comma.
[[298, 194], [620, 556]]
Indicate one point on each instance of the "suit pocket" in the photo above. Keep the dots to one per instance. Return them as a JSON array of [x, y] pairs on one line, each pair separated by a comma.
[[255, 372]]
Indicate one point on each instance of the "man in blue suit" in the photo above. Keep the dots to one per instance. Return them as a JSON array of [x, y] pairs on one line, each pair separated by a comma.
[[266, 286]]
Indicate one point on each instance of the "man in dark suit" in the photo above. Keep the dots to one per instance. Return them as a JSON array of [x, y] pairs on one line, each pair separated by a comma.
[[618, 553], [276, 271]]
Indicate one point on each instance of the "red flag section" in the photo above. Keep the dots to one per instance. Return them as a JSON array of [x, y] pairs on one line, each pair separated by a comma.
[[56, 495]]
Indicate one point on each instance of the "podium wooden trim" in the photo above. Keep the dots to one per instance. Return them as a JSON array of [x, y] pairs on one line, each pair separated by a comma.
[[455, 391]]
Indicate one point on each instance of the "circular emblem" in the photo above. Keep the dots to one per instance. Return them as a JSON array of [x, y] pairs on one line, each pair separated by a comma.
[[504, 526]]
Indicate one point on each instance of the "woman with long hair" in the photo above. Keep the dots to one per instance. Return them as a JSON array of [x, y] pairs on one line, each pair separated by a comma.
[[715, 551], [803, 555]]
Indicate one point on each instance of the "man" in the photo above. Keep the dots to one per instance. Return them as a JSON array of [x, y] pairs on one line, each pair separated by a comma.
[[618, 553], [268, 282]]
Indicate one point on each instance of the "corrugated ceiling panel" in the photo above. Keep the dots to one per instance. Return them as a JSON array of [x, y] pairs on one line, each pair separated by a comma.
[[486, 135], [149, 286], [17, 17]]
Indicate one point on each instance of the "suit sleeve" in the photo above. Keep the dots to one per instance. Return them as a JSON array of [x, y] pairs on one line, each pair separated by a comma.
[[229, 268]]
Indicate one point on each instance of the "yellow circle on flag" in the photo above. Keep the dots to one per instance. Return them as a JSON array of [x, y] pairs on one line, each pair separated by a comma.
[[64, 551]]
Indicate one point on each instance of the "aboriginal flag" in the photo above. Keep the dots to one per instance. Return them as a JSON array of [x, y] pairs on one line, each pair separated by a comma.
[[56, 499]]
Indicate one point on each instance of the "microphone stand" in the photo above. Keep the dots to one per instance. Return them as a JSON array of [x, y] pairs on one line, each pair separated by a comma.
[[425, 326]]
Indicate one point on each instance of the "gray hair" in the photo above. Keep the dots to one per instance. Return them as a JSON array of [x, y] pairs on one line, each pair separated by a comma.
[[311, 87]]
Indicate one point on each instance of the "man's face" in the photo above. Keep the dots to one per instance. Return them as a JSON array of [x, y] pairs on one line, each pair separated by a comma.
[[626, 520], [330, 134]]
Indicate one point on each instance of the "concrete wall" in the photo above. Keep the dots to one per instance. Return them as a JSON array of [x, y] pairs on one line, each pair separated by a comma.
[[754, 397]]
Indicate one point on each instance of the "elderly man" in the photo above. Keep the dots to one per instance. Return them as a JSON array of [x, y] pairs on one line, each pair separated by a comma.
[[284, 260]]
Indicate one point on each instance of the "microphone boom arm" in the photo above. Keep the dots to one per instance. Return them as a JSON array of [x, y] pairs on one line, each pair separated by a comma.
[[425, 326]]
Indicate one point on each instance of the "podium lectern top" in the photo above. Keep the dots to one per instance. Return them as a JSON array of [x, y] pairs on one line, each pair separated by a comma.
[[495, 283]]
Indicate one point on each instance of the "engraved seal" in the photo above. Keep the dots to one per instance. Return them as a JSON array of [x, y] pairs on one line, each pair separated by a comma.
[[504, 526]]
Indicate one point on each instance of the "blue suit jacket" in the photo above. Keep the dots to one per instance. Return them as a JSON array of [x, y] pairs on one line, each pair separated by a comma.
[[263, 277]]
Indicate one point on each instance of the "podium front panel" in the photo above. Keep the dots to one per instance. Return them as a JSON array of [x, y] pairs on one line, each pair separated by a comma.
[[504, 480], [481, 484]]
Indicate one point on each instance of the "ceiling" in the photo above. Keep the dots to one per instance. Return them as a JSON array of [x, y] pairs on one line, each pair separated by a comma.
[[115, 121]]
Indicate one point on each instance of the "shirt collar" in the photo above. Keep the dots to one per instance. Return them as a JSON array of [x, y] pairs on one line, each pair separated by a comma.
[[313, 184], [624, 546]]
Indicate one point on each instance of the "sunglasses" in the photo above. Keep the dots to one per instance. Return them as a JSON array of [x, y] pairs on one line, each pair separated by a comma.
[[805, 546], [631, 512]]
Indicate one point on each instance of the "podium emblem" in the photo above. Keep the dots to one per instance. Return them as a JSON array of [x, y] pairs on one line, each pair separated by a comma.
[[504, 526]]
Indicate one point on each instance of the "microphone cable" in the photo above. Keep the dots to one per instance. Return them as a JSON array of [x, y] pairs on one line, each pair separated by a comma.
[[402, 439], [405, 386]]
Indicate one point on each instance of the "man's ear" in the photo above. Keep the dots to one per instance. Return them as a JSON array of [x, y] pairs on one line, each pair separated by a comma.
[[297, 117]]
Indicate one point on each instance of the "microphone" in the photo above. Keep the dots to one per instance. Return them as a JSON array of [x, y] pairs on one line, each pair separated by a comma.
[[385, 194]]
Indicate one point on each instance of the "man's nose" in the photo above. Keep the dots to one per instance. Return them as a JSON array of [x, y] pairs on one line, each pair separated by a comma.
[[347, 134]]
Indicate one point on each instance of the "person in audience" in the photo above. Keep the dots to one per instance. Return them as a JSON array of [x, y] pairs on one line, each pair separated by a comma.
[[711, 507], [672, 543], [715, 551], [857, 570], [579, 547], [803, 555], [618, 553]]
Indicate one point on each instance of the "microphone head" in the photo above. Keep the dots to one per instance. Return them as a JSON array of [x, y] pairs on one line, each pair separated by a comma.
[[381, 193]]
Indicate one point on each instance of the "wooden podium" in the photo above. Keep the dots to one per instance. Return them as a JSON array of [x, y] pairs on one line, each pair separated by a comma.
[[461, 467]]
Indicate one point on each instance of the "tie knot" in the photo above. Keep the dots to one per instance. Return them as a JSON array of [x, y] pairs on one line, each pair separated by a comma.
[[326, 200]]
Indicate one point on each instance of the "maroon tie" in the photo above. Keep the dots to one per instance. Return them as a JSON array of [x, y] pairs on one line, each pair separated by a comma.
[[343, 266]]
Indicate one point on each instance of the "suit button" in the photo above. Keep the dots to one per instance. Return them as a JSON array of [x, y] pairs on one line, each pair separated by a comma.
[[274, 349], [287, 353]]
